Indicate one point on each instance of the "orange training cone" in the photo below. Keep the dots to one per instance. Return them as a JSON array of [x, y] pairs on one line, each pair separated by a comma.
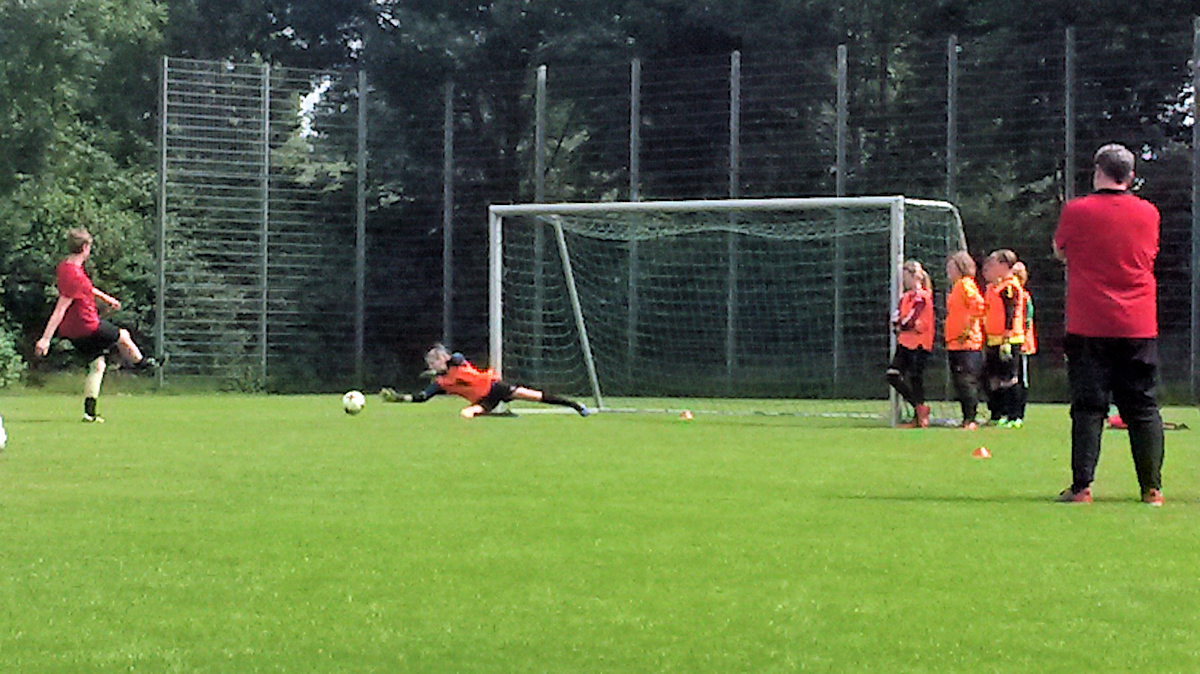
[[981, 453]]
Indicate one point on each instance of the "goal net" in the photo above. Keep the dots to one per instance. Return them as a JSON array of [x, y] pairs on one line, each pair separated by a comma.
[[740, 305]]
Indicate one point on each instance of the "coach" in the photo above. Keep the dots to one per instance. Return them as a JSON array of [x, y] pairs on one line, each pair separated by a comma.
[[1109, 240]]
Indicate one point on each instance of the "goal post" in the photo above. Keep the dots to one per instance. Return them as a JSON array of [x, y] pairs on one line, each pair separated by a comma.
[[756, 305]]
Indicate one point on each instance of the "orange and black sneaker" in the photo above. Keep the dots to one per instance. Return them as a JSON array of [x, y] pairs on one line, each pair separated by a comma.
[[1069, 495], [1153, 497]]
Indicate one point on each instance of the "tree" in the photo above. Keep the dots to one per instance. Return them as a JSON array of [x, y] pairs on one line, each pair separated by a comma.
[[74, 143]]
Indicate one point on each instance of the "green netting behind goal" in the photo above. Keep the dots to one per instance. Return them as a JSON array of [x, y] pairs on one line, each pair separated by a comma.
[[771, 300]]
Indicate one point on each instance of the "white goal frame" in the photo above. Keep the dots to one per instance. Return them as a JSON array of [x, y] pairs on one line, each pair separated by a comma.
[[498, 212]]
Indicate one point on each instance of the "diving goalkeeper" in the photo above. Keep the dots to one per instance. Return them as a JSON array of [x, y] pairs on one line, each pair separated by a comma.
[[453, 373]]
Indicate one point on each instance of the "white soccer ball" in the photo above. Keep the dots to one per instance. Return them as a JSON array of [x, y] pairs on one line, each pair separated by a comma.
[[353, 402]]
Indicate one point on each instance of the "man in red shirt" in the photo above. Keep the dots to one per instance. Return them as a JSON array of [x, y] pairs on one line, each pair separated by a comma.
[[1109, 241], [75, 317]]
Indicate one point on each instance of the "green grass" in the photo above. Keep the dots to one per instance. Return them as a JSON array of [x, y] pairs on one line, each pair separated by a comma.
[[241, 534]]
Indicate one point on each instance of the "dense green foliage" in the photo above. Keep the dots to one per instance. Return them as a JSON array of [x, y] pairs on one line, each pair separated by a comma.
[[407, 539], [77, 147]]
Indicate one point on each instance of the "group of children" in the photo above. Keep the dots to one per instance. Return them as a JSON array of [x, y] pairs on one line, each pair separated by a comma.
[[989, 337]]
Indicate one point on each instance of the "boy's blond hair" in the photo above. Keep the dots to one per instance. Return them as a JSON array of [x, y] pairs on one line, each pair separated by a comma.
[[77, 239]]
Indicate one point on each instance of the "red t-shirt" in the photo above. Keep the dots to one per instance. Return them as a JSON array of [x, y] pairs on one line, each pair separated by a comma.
[[81, 318], [1110, 240]]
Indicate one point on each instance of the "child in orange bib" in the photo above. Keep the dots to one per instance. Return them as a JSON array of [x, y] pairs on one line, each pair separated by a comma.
[[964, 334], [913, 323]]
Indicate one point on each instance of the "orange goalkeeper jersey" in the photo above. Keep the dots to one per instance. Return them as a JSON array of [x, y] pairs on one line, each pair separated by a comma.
[[964, 316], [466, 381]]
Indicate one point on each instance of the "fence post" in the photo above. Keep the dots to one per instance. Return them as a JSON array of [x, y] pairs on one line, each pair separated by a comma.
[[635, 169], [1069, 115], [952, 49], [448, 216], [839, 249], [843, 104], [160, 303], [539, 228], [265, 219], [635, 130], [735, 121], [360, 234], [1195, 314]]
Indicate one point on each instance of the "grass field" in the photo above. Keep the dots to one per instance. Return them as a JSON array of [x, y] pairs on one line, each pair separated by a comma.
[[242, 534]]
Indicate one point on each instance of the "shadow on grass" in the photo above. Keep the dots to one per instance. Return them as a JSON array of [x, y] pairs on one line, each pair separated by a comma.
[[1049, 499]]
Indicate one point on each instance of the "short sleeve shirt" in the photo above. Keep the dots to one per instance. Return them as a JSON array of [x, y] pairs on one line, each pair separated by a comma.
[[81, 318], [1110, 241]]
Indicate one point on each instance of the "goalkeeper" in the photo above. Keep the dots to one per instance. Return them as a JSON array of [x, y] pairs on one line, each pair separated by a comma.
[[1004, 330], [453, 373]]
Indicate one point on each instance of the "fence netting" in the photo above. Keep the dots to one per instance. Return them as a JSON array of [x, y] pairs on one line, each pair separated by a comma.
[[264, 235]]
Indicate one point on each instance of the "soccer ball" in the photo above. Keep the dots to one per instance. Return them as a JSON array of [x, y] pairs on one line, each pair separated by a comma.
[[353, 402]]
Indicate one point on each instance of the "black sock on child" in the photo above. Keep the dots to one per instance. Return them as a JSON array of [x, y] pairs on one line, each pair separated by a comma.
[[551, 399]]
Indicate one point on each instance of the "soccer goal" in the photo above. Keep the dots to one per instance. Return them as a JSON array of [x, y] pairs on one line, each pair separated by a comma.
[[738, 305]]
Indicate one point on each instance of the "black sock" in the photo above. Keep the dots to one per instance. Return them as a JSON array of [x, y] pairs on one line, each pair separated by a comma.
[[89, 406], [551, 399]]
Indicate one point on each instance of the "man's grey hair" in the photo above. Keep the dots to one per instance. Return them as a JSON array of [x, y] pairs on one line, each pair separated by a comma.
[[1116, 162]]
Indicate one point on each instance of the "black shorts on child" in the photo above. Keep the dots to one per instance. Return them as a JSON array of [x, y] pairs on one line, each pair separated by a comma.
[[98, 343], [501, 392]]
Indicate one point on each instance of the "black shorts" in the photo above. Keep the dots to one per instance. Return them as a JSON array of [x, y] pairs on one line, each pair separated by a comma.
[[98, 343], [501, 392], [998, 370], [909, 362]]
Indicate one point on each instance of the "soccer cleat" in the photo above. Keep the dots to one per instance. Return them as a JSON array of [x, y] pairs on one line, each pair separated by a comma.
[[970, 426], [1153, 497], [149, 364], [389, 395], [92, 419], [1011, 423], [1069, 496], [584, 411]]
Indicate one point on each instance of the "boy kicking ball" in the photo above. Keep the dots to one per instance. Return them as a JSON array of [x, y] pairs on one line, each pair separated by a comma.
[[453, 373], [76, 318]]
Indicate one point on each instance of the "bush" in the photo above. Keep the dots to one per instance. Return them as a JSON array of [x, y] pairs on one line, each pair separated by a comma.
[[12, 365]]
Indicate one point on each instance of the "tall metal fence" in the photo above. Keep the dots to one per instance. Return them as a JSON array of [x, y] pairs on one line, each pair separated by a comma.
[[292, 259]]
